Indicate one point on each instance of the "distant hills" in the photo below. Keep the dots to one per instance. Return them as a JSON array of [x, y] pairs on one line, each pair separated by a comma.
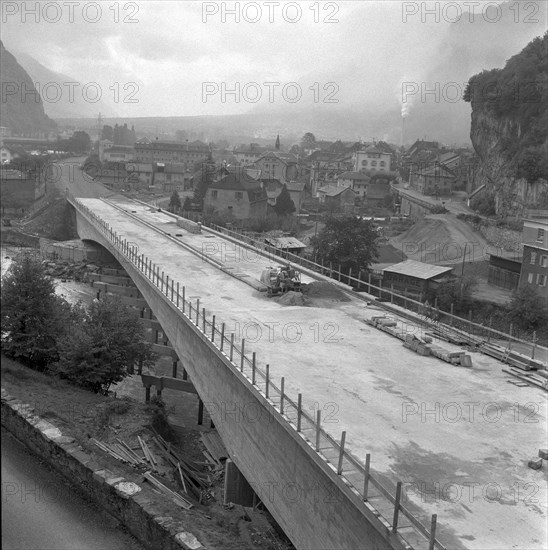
[[22, 113], [66, 106]]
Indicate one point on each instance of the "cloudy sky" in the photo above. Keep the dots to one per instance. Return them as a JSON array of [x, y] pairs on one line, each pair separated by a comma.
[[155, 58]]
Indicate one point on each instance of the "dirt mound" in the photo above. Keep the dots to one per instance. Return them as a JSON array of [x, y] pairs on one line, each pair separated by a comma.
[[292, 299], [323, 289]]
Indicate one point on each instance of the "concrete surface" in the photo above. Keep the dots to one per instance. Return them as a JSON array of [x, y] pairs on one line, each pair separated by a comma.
[[424, 421]]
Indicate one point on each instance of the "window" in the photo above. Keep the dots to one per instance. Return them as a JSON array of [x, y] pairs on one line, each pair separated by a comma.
[[530, 278], [383, 163], [533, 258], [540, 235], [239, 195], [214, 194], [541, 280], [373, 163], [364, 163]]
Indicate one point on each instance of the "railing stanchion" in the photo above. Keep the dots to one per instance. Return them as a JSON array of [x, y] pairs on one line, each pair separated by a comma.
[[433, 523], [267, 380], [242, 352], [213, 329], [203, 320], [397, 507], [231, 346], [177, 294], [197, 311], [299, 411], [282, 395], [184, 300], [366, 476], [253, 369], [222, 336], [318, 429], [341, 454]]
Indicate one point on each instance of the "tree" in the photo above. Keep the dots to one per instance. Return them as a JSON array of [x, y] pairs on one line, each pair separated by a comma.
[[457, 292], [308, 139], [205, 180], [32, 315], [175, 202], [102, 346], [107, 132], [80, 142], [348, 241], [187, 205], [526, 309], [284, 204]]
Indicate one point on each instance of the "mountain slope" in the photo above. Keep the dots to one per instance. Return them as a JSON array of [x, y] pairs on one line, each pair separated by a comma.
[[21, 108], [64, 108]]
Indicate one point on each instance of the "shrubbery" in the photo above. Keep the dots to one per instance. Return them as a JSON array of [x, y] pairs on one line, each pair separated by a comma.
[[92, 347]]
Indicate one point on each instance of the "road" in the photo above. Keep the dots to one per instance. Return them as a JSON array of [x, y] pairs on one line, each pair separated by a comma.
[[80, 185], [41, 511]]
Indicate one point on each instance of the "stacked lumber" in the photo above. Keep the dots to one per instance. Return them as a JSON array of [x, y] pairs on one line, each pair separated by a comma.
[[175, 497], [531, 379], [120, 451], [513, 358], [215, 451], [189, 474]]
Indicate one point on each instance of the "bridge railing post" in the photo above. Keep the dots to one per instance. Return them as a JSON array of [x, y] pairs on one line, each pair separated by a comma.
[[341, 454], [213, 329], [318, 429], [197, 311], [253, 366], [299, 411], [222, 336], [267, 380], [432, 541], [177, 294], [396, 507], [282, 384], [172, 290], [203, 320], [242, 355], [184, 300], [366, 476], [231, 346]]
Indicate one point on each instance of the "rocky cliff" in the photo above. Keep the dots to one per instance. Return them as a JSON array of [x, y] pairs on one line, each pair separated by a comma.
[[21, 107], [509, 132]]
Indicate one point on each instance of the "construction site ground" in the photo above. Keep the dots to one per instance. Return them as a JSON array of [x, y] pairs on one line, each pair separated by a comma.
[[84, 415], [458, 438]]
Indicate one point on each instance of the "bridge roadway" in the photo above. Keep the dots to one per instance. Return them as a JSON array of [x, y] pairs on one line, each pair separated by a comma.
[[459, 439]]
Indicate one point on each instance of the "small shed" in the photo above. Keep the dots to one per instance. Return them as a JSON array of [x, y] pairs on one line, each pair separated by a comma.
[[414, 277], [286, 244], [504, 272]]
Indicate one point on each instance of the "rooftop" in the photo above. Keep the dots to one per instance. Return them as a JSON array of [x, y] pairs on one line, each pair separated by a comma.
[[332, 191], [354, 176], [418, 270], [284, 242]]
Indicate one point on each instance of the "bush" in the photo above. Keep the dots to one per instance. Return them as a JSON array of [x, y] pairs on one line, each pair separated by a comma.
[[527, 310], [438, 209], [159, 419]]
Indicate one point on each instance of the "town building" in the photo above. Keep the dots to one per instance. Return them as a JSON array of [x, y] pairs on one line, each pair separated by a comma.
[[415, 278], [239, 196], [273, 188], [534, 266], [277, 165], [372, 159], [118, 153], [189, 154], [433, 180], [286, 244], [245, 155], [358, 181], [504, 272], [337, 199]]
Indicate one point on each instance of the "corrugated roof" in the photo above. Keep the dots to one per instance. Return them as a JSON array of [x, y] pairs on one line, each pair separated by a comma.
[[418, 270], [284, 242], [332, 191]]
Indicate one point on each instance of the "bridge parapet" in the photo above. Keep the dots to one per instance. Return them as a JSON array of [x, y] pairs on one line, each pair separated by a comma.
[[353, 478]]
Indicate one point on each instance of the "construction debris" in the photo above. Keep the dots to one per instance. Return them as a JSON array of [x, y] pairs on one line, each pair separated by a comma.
[[535, 463], [541, 383], [176, 497], [216, 450], [543, 453]]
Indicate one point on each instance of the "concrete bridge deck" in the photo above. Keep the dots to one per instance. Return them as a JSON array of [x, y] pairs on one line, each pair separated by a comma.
[[459, 439]]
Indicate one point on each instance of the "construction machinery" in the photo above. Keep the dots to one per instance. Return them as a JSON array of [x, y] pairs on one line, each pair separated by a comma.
[[281, 279]]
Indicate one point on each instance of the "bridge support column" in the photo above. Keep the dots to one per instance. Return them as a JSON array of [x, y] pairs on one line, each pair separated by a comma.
[[174, 373], [185, 374], [236, 488], [200, 412], [147, 394]]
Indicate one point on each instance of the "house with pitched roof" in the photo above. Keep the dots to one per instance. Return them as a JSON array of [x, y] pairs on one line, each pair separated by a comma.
[[237, 195], [435, 179], [278, 165], [273, 188], [337, 199]]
